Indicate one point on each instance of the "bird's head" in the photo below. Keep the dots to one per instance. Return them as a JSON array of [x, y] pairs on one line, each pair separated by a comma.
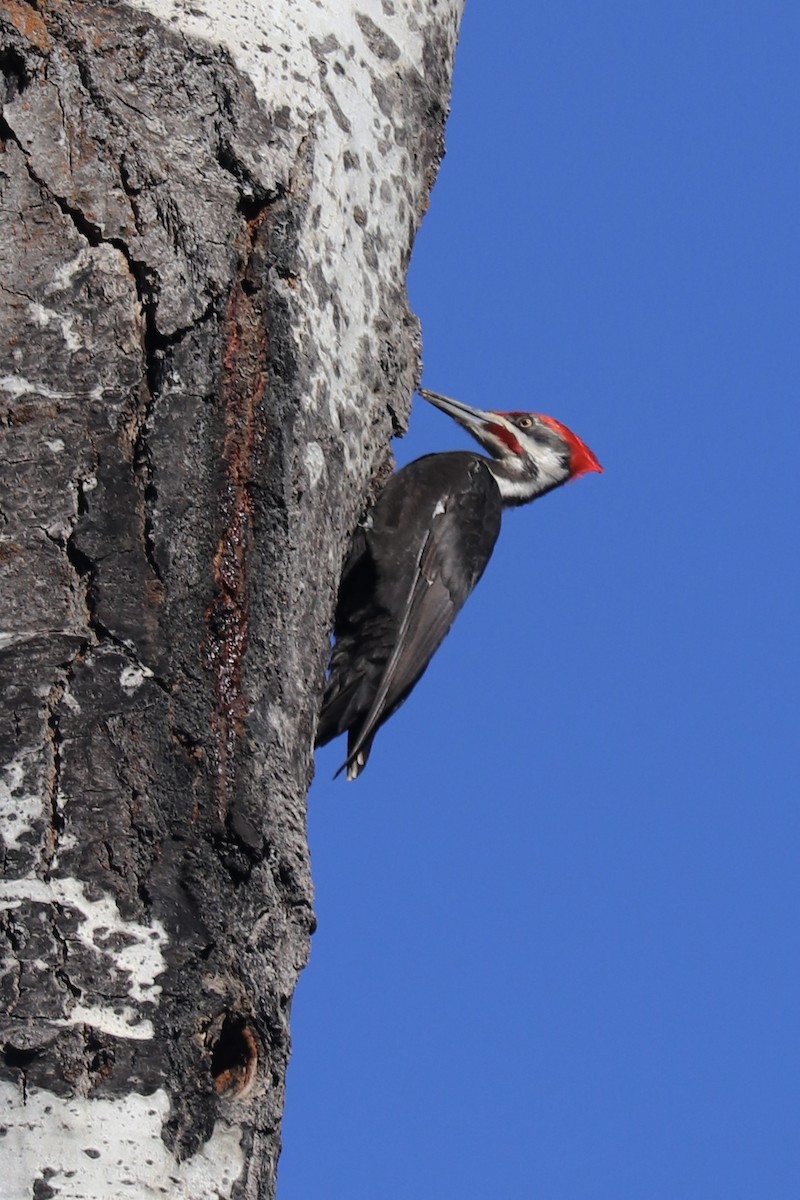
[[531, 453]]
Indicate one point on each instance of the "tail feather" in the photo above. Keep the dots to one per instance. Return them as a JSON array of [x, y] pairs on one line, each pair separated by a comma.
[[349, 700], [344, 709]]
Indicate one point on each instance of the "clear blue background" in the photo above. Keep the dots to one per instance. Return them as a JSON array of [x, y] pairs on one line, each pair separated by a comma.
[[558, 942]]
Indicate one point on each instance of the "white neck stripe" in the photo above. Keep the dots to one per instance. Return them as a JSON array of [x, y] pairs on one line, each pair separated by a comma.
[[524, 478]]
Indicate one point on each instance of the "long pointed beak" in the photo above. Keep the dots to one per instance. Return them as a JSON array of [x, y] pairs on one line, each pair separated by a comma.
[[469, 417]]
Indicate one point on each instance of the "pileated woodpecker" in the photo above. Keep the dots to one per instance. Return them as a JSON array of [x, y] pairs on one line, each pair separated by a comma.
[[419, 553]]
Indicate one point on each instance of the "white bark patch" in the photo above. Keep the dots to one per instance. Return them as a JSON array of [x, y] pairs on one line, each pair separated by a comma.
[[65, 276], [133, 677], [19, 809], [253, 30], [43, 316], [69, 701], [280, 725], [19, 637], [133, 967], [17, 385], [96, 1149], [315, 462]]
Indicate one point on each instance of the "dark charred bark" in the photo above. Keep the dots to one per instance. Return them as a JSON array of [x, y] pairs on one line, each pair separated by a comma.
[[176, 501]]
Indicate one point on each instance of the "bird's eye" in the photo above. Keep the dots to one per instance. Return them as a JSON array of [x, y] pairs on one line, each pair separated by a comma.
[[524, 423]]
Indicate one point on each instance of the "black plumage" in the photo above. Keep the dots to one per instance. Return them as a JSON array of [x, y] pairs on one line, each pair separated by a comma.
[[413, 562]]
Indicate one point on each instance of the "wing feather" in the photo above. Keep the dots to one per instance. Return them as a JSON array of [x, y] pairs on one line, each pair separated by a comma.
[[454, 545]]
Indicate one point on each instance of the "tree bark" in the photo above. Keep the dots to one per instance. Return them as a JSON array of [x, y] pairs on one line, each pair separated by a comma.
[[207, 215]]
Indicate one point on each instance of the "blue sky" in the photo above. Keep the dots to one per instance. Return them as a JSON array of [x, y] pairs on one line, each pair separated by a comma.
[[557, 952]]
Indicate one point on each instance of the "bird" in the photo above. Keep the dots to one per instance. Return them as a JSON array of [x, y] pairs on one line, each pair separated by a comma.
[[420, 551]]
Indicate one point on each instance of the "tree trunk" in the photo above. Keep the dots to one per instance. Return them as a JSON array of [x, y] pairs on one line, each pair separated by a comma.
[[207, 214]]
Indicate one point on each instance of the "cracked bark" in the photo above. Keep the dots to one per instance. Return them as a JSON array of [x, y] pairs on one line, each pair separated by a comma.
[[206, 345]]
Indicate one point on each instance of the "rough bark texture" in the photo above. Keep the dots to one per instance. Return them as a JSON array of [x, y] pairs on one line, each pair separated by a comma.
[[205, 347]]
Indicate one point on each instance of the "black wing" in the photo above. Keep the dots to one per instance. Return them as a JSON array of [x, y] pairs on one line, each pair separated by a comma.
[[430, 537]]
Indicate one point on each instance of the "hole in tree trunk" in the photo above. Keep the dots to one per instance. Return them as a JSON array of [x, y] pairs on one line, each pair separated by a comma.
[[234, 1056], [16, 1056]]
